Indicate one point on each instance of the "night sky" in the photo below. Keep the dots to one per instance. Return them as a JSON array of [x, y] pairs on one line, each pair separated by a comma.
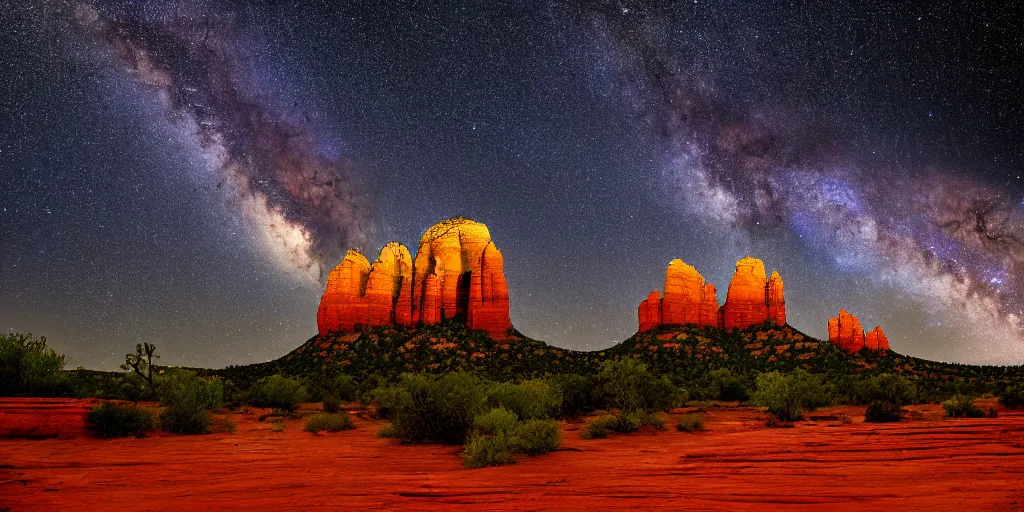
[[185, 173]]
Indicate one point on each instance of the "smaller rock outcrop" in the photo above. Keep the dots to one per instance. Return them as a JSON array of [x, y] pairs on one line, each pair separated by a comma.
[[752, 299], [846, 332]]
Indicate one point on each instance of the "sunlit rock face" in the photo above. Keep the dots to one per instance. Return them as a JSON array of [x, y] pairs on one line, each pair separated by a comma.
[[746, 302], [458, 274], [360, 294], [689, 300], [846, 332]]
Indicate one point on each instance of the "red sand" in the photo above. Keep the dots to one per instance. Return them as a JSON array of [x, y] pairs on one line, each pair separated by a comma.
[[737, 464]]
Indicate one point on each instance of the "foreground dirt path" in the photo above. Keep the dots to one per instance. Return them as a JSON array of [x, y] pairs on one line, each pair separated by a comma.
[[737, 464]]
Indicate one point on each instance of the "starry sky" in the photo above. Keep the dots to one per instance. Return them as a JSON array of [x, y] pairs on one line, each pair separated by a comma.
[[185, 173]]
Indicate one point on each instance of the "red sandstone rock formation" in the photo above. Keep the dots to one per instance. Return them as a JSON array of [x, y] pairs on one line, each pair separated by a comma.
[[846, 332], [488, 295], [458, 274], [360, 294], [650, 311], [688, 300], [876, 340]]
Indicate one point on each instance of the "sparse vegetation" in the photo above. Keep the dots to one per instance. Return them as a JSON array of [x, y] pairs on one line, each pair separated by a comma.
[[188, 399], [328, 422], [28, 367], [1012, 396], [533, 399], [141, 363], [278, 392], [962, 406], [691, 423], [787, 396], [498, 436], [425, 408], [881, 412], [113, 419]]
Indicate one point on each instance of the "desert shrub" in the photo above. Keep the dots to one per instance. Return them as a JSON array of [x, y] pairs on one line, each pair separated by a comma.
[[623, 423], [188, 399], [277, 425], [691, 423], [1012, 396], [498, 419], [536, 437], [328, 422], [881, 412], [992, 413], [278, 392], [112, 419], [533, 399], [962, 406], [629, 386], [577, 394], [498, 436], [894, 389], [599, 427], [344, 387], [787, 396], [723, 384], [483, 450], [29, 367], [388, 431], [433, 408], [331, 404]]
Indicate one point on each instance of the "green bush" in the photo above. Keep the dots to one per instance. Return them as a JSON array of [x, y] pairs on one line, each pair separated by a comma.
[[691, 423], [577, 393], [536, 437], [498, 419], [533, 399], [599, 427], [1012, 396], [895, 390], [29, 367], [345, 388], [961, 406], [188, 399], [787, 396], [331, 404], [328, 422], [482, 450], [112, 419], [278, 392], [722, 384], [498, 436], [882, 412], [629, 386], [433, 408]]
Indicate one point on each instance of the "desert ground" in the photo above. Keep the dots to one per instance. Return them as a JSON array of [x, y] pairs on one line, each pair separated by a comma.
[[832, 461]]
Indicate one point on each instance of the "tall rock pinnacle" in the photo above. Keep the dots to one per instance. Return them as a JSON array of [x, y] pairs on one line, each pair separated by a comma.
[[458, 274], [688, 300]]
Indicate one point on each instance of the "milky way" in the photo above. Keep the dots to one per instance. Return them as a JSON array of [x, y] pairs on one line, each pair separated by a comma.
[[307, 206], [954, 243]]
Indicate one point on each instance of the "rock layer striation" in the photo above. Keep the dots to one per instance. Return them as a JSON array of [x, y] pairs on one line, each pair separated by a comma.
[[458, 274]]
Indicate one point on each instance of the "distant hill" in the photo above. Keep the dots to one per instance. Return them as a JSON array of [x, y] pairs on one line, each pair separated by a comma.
[[686, 352]]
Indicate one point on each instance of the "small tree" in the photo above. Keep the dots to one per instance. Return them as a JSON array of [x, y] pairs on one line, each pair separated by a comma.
[[141, 362]]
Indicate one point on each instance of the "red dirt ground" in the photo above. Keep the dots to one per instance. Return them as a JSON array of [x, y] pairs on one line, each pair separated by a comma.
[[927, 463]]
